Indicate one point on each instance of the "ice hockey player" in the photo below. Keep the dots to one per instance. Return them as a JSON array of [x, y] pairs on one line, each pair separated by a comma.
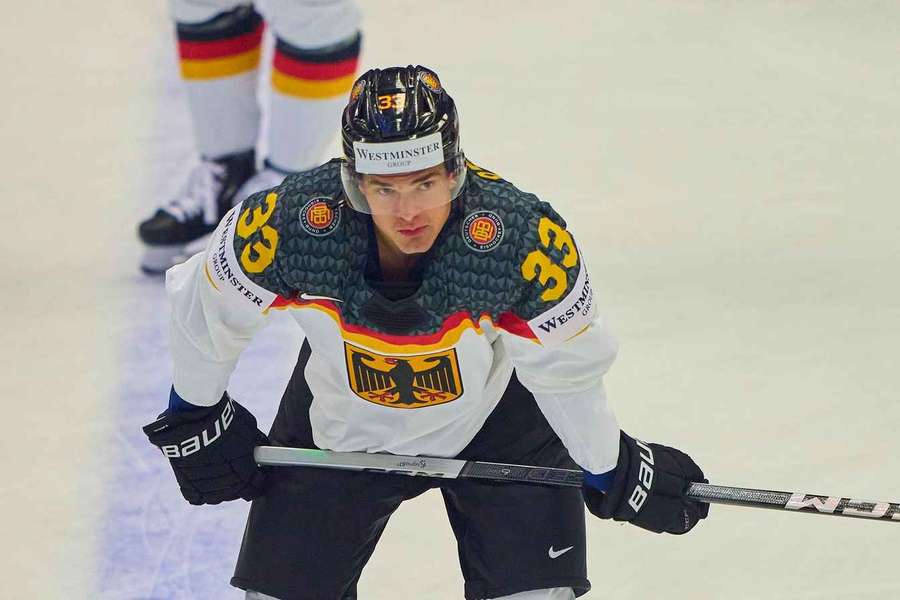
[[447, 314], [317, 47]]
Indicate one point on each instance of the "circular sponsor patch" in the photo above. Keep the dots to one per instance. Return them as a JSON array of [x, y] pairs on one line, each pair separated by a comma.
[[318, 217], [482, 230]]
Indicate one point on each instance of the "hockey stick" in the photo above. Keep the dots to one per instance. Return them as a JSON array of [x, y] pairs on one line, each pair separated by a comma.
[[450, 468]]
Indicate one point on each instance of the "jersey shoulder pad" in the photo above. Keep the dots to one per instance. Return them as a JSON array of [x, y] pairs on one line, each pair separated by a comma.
[[241, 254], [310, 208], [321, 237], [495, 213], [255, 249], [555, 295]]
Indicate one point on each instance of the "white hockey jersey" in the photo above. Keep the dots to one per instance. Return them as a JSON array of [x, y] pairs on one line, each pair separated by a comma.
[[504, 287]]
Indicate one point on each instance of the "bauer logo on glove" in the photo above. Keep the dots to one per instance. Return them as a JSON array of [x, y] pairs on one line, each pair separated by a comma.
[[645, 477], [205, 438]]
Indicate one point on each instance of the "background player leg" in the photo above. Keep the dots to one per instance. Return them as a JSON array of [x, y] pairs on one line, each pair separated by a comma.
[[317, 46], [219, 49]]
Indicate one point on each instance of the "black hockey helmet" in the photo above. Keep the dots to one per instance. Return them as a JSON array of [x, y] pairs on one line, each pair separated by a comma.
[[399, 120]]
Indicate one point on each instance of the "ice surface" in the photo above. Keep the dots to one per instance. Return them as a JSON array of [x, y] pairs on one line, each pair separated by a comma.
[[728, 168]]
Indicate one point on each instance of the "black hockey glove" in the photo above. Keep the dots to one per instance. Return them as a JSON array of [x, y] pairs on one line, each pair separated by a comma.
[[649, 489], [211, 451]]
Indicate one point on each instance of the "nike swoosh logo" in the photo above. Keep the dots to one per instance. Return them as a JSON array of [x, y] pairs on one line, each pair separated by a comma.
[[305, 296], [557, 553]]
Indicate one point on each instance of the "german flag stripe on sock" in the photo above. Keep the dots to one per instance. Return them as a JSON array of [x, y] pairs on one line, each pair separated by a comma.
[[313, 74], [227, 45]]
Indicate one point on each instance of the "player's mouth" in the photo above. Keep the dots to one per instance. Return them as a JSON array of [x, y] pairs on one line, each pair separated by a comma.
[[412, 231]]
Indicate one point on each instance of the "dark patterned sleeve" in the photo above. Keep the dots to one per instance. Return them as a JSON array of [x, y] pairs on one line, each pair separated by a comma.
[[556, 301], [243, 257]]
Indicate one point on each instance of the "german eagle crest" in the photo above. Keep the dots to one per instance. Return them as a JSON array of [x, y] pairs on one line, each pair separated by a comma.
[[411, 381]]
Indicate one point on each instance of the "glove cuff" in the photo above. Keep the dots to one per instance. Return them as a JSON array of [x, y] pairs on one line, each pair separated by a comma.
[[177, 404], [605, 505]]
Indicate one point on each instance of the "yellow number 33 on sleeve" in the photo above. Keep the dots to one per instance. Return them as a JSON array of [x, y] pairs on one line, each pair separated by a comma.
[[538, 265], [257, 256]]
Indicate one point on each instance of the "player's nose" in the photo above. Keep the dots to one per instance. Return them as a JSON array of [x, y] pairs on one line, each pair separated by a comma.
[[406, 209]]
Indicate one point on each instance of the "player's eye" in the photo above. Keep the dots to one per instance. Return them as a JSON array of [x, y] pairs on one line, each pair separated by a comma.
[[384, 191], [426, 185]]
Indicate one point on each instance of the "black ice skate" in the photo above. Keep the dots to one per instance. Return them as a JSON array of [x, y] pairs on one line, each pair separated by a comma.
[[180, 228]]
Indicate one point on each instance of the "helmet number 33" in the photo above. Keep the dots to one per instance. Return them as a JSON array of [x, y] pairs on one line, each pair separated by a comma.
[[540, 266], [392, 101], [258, 255]]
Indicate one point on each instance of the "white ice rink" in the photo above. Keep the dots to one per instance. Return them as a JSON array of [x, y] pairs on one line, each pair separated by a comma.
[[730, 169]]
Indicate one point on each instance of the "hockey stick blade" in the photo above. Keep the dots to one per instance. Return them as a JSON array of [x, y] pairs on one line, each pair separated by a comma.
[[450, 468]]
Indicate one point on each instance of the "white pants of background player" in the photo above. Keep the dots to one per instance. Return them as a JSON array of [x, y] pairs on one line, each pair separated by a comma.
[[303, 116]]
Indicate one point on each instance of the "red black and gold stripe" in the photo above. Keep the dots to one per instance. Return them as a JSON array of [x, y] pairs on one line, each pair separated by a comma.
[[448, 335], [315, 74], [222, 47]]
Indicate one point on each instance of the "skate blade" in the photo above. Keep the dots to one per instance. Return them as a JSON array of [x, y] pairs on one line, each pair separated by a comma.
[[192, 248], [158, 259]]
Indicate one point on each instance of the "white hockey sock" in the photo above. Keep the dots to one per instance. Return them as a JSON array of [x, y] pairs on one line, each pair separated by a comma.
[[309, 90], [219, 64]]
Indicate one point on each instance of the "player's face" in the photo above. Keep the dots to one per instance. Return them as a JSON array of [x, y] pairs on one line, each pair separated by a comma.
[[409, 210]]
